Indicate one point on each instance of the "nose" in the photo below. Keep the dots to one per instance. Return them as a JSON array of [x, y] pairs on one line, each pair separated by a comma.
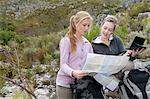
[[86, 28], [106, 31]]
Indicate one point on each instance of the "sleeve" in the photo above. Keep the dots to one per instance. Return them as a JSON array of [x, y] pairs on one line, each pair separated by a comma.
[[91, 48], [64, 56], [121, 47]]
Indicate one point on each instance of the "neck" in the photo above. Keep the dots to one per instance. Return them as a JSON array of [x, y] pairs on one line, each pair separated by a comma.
[[79, 37], [104, 40]]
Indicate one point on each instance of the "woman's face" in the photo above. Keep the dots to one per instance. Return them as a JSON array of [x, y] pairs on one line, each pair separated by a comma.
[[107, 30], [83, 26]]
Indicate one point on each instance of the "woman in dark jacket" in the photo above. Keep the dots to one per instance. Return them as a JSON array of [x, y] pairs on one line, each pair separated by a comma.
[[106, 43]]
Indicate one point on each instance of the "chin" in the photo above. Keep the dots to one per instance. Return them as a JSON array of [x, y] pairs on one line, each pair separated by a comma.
[[104, 36]]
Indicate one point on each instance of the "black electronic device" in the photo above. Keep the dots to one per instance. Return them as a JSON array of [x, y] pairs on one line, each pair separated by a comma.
[[137, 43]]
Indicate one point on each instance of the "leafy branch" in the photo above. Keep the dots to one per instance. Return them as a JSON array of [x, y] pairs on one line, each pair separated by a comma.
[[10, 57]]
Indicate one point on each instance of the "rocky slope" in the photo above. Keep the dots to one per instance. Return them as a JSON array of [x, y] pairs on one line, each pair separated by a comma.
[[44, 16]]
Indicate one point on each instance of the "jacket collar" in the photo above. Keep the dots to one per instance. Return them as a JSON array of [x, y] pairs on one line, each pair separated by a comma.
[[98, 39]]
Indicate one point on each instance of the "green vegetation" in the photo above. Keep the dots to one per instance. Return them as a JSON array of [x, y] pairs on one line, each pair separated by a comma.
[[146, 24], [6, 70], [122, 32], [93, 33], [21, 95], [36, 37], [6, 36], [138, 8]]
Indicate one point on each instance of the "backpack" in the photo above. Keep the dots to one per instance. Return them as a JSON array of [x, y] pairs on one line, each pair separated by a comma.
[[136, 84], [87, 88]]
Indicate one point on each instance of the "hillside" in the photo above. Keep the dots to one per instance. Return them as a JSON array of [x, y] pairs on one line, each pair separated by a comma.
[[30, 31], [36, 17]]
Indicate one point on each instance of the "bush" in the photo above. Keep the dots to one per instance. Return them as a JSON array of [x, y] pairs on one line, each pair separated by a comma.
[[146, 24], [6, 70], [148, 40], [122, 32], [135, 25], [28, 54], [93, 33], [2, 83], [39, 55], [47, 58], [56, 54], [6, 26], [6, 36], [139, 8], [37, 69]]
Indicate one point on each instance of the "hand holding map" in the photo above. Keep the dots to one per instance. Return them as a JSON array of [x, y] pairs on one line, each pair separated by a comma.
[[106, 64]]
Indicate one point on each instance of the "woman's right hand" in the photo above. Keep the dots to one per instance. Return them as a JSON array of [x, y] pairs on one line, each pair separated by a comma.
[[79, 74]]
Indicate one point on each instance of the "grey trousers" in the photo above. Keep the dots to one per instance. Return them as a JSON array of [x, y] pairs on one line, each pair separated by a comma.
[[63, 92]]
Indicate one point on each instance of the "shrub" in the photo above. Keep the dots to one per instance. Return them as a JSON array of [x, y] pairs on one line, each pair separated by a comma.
[[135, 25], [39, 55], [139, 8], [47, 58], [122, 32], [146, 24], [6, 36], [7, 26], [37, 69], [56, 54], [28, 54], [93, 33], [6, 70], [148, 40], [41, 48], [51, 48]]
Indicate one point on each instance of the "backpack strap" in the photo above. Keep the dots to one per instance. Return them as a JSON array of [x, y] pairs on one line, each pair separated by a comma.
[[126, 82], [136, 81]]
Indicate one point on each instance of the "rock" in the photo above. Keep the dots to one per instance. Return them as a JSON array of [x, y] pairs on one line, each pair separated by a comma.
[[140, 64], [9, 89], [44, 93], [143, 15], [42, 97], [25, 8]]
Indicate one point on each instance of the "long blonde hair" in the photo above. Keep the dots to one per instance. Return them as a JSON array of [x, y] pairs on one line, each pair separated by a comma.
[[74, 21]]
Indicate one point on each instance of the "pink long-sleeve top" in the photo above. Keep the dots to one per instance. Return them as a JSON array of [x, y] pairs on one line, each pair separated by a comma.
[[71, 61]]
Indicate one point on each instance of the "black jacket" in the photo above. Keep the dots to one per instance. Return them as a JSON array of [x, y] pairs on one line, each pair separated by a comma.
[[115, 48]]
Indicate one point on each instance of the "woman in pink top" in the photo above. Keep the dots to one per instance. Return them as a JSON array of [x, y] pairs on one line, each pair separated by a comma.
[[74, 48]]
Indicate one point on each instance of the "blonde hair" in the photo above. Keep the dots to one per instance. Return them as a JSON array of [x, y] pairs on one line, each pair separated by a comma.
[[74, 21], [111, 18]]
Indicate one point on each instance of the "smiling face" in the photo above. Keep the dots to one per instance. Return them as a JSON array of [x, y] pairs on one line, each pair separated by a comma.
[[107, 30], [83, 26]]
